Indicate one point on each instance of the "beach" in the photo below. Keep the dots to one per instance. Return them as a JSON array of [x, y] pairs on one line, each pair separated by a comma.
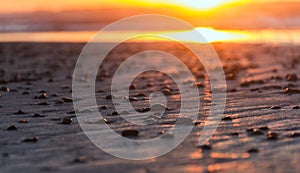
[[259, 131]]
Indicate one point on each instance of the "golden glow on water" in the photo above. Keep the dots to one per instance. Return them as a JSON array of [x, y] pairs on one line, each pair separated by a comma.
[[210, 34]]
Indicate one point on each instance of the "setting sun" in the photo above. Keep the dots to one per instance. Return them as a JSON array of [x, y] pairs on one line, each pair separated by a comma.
[[204, 4]]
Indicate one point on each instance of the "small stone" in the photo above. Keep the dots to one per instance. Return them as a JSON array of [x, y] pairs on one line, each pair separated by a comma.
[[253, 150], [19, 112], [198, 84], [146, 109], [42, 91], [292, 91], [67, 99], [114, 113], [109, 97], [81, 159], [130, 133], [257, 132], [106, 121], [23, 121], [132, 99], [264, 128], [38, 115], [43, 103], [233, 90], [291, 77], [67, 121], [250, 130], [103, 107], [296, 107], [33, 139], [275, 107], [272, 136], [5, 89], [227, 118], [13, 127], [294, 134], [132, 87], [206, 146], [234, 134], [71, 112], [26, 93], [42, 96]]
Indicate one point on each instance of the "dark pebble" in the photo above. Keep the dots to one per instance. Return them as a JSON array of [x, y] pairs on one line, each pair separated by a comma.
[[81, 159], [19, 112], [5, 89], [26, 93], [109, 97], [250, 130], [294, 135], [43, 103], [296, 107], [106, 121], [264, 128], [132, 99], [23, 121], [198, 84], [234, 134], [42, 96], [257, 132], [233, 90], [291, 77], [67, 99], [206, 147], [132, 87], [71, 112], [292, 91], [130, 133], [272, 136], [275, 107], [42, 91], [12, 127], [38, 115], [143, 109], [254, 89], [33, 139], [67, 121], [227, 119], [253, 150], [103, 107]]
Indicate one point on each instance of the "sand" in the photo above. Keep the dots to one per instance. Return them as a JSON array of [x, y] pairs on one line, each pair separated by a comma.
[[259, 133]]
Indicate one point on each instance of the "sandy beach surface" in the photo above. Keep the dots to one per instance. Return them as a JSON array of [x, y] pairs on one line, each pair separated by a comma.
[[260, 131]]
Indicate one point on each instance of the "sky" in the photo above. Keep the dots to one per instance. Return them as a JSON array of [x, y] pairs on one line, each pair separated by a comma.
[[20, 6], [62, 15]]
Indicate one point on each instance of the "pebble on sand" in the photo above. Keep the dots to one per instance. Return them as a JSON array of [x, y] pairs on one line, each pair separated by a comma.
[[275, 107], [67, 99], [33, 139], [42, 96], [67, 121], [291, 77], [272, 136], [103, 107], [257, 132], [206, 146], [38, 115], [81, 159], [130, 133], [19, 112], [253, 150], [13, 127], [296, 107], [227, 118], [109, 97], [5, 89], [23, 121], [294, 134]]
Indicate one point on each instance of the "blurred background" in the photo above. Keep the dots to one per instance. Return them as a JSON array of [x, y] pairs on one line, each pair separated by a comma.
[[80, 16]]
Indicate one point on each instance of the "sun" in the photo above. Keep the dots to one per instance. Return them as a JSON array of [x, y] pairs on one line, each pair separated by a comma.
[[203, 4]]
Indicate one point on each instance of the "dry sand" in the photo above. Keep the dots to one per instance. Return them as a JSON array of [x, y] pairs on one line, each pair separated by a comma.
[[259, 134]]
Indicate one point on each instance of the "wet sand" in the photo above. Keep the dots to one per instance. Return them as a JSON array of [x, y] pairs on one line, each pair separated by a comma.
[[40, 132]]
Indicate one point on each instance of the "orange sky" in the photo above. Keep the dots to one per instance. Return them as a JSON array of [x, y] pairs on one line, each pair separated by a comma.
[[12, 6]]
